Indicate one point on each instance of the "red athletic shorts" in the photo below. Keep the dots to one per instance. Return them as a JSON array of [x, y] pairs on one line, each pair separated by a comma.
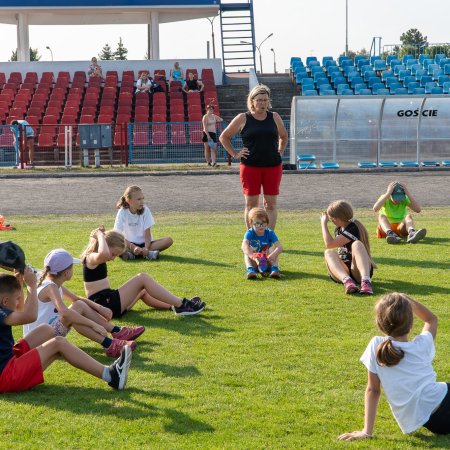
[[398, 228], [252, 178], [24, 369]]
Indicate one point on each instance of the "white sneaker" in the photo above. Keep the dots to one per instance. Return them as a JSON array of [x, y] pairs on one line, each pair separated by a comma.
[[416, 236], [152, 255]]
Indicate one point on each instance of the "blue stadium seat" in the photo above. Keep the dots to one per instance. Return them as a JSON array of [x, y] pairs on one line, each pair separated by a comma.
[[316, 69], [422, 57], [402, 74], [393, 81], [307, 81], [424, 80], [419, 90], [367, 165], [357, 87], [389, 58], [363, 62], [446, 87], [374, 58], [314, 64], [306, 161], [432, 67], [333, 69], [443, 62], [379, 87], [327, 92], [355, 81], [347, 62], [408, 80], [347, 70], [438, 57], [447, 69], [379, 64], [446, 163], [374, 80], [295, 59], [394, 86], [300, 77], [342, 58], [369, 74], [411, 62], [358, 58], [309, 59], [394, 63], [415, 67], [329, 165], [399, 67], [413, 85], [338, 80], [429, 87], [386, 74], [366, 68], [341, 87], [406, 58], [401, 91], [427, 62], [429, 163], [409, 164], [442, 79], [310, 93], [388, 164], [436, 90], [420, 73], [347, 92], [326, 59], [364, 92], [354, 76]]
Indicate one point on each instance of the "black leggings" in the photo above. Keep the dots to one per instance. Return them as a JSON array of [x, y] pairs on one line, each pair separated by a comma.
[[439, 421]]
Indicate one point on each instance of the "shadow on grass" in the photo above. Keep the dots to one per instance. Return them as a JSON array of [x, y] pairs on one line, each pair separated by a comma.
[[434, 241], [430, 441], [297, 275], [384, 286], [304, 253], [117, 404], [184, 260], [400, 261], [204, 324]]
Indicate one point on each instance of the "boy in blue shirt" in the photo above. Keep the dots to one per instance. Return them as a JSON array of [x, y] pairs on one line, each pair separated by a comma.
[[261, 246]]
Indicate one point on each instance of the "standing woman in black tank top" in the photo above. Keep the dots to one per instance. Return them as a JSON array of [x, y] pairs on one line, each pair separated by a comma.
[[265, 138]]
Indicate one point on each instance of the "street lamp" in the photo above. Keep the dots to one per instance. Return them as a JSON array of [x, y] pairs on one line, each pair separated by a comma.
[[258, 47], [50, 50], [346, 27], [211, 21], [274, 61]]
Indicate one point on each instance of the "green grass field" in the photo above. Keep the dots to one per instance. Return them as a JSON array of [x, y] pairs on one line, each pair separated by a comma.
[[270, 364]]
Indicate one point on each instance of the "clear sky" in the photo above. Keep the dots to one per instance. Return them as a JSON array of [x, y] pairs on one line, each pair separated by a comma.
[[300, 28]]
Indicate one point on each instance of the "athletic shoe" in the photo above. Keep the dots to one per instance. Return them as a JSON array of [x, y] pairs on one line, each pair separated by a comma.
[[128, 256], [274, 272], [350, 286], [119, 369], [393, 238], [252, 274], [188, 308], [198, 301], [117, 346], [416, 236], [152, 255], [128, 333], [366, 287]]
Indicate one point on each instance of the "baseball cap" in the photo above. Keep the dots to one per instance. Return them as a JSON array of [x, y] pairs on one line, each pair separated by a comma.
[[58, 260], [398, 193], [12, 256]]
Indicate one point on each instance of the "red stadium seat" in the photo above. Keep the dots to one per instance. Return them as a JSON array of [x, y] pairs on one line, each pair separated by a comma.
[[89, 111], [122, 118], [53, 111], [159, 118], [140, 138], [195, 133], [124, 109], [104, 118], [71, 111], [177, 133], [67, 119], [176, 117], [46, 140], [159, 134], [108, 101], [107, 109], [87, 119], [17, 112], [195, 117], [141, 118]]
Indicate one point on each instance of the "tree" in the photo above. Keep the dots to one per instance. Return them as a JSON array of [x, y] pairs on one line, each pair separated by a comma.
[[414, 37], [106, 53], [121, 52], [353, 53], [34, 55]]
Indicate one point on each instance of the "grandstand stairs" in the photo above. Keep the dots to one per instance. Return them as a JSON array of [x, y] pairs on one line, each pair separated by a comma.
[[281, 90], [232, 99]]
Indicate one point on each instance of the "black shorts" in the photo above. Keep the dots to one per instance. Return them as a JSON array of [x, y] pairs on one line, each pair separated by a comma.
[[349, 265], [213, 137], [439, 421], [109, 298]]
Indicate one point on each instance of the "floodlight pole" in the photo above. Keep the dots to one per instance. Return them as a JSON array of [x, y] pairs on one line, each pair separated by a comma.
[[211, 21], [346, 27], [50, 50]]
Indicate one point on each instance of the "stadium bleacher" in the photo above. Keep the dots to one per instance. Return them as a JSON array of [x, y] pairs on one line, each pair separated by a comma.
[[57, 100], [374, 76]]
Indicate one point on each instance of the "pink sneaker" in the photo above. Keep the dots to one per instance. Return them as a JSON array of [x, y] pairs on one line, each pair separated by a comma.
[[115, 349], [128, 333], [350, 286], [366, 287]]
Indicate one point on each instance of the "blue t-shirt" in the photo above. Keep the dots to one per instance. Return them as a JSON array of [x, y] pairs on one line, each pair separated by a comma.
[[260, 244], [6, 339], [25, 125]]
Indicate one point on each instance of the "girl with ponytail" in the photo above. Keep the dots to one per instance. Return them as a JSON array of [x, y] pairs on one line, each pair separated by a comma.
[[404, 368]]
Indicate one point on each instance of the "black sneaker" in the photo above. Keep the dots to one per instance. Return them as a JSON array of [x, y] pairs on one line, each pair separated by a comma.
[[119, 369], [393, 238], [188, 308], [198, 301]]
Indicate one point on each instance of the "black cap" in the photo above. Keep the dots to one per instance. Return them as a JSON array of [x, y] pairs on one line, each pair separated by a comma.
[[12, 256]]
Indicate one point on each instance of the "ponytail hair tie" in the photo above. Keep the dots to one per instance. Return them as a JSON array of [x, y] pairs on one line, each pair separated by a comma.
[[352, 219]]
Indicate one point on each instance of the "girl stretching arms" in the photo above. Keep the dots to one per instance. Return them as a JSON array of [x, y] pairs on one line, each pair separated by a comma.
[[403, 367]]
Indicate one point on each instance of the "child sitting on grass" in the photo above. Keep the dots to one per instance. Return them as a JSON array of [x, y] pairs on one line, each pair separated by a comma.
[[22, 364], [135, 221], [393, 220], [403, 367], [261, 246], [88, 318], [352, 262]]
